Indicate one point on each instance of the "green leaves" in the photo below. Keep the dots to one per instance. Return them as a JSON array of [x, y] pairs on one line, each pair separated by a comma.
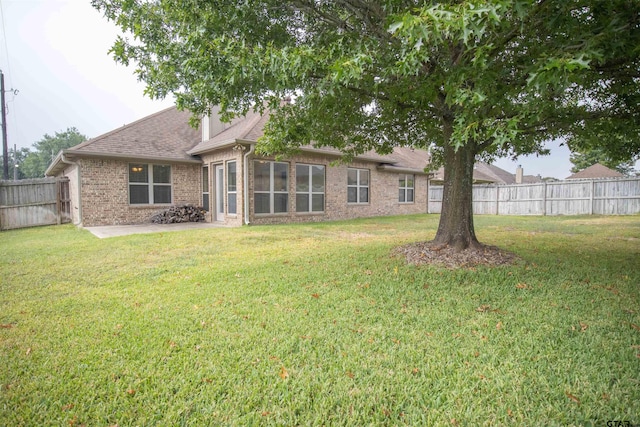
[[557, 71], [504, 75], [35, 162], [466, 22]]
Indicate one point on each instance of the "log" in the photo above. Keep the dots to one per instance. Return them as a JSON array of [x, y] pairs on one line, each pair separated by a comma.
[[179, 213]]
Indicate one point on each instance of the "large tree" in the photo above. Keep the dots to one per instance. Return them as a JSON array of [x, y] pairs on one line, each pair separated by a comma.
[[16, 157], [465, 79], [36, 162]]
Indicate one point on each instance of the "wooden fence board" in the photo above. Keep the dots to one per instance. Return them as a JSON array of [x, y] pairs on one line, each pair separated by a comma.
[[34, 202], [580, 197]]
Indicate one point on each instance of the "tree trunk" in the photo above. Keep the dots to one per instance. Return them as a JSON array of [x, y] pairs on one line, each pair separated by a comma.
[[456, 218]]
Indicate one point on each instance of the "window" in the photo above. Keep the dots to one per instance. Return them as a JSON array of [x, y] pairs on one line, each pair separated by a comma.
[[149, 184], [406, 189], [357, 186], [309, 188], [205, 188], [271, 187], [232, 188]]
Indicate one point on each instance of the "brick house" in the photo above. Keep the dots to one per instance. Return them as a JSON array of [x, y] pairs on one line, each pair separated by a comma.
[[130, 173]]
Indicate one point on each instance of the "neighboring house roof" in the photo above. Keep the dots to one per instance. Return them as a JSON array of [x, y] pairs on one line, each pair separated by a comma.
[[497, 175], [532, 179], [167, 136], [484, 173], [596, 171]]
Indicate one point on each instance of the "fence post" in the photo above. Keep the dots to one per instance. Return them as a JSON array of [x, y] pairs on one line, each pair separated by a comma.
[[2, 202], [497, 199], [58, 204], [544, 198], [591, 196]]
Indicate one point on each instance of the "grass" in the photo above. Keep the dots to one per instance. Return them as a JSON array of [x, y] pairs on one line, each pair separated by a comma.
[[318, 325]]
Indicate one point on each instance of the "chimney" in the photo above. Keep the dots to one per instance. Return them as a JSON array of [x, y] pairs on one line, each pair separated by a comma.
[[519, 174]]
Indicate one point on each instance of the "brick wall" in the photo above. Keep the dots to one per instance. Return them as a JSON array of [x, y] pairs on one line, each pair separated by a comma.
[[105, 192], [383, 194]]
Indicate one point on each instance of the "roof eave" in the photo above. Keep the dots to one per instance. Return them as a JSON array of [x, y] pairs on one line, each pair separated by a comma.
[[399, 169], [224, 144], [122, 156], [337, 154], [57, 165]]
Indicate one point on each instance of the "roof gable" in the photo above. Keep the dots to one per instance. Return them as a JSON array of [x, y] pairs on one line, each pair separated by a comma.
[[596, 171], [497, 175], [247, 128], [165, 134]]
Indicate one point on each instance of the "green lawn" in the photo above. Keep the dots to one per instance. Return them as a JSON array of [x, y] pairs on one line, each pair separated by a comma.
[[318, 325]]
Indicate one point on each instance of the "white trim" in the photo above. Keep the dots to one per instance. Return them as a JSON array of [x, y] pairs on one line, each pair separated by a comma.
[[150, 184], [358, 186], [272, 192], [310, 193], [245, 184]]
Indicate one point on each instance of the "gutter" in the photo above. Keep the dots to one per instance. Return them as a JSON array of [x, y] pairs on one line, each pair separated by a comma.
[[390, 168], [134, 157], [246, 183]]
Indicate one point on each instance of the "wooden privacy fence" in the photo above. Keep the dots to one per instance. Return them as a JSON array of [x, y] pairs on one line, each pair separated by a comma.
[[579, 197], [32, 202]]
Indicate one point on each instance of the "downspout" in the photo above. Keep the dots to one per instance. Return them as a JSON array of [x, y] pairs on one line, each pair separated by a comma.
[[79, 185], [246, 183]]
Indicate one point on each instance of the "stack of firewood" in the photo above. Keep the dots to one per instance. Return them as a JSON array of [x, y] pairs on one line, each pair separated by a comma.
[[181, 213]]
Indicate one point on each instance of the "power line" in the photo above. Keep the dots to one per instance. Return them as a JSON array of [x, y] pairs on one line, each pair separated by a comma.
[[4, 39], [5, 150], [10, 106]]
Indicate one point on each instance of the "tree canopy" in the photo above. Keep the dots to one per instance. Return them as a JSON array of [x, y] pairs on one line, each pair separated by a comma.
[[464, 79], [16, 157], [35, 162]]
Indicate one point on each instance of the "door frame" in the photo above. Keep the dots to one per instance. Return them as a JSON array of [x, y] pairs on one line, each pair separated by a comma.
[[218, 214]]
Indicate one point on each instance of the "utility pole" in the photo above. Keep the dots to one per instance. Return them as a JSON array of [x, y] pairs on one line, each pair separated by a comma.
[[15, 162], [5, 149]]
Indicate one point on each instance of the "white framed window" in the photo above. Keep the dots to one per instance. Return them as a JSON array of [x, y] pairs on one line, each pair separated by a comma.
[[357, 185], [270, 187], [406, 188], [232, 188], [149, 184], [205, 188], [309, 188]]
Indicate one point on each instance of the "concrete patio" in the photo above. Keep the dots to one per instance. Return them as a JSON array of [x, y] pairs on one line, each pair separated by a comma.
[[107, 231]]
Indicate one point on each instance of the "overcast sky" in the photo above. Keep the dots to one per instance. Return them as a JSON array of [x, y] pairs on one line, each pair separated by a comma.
[[55, 53]]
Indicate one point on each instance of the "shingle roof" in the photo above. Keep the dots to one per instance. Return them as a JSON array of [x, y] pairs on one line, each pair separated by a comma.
[[251, 127], [596, 171], [165, 134], [531, 179], [501, 176], [484, 173], [402, 157], [247, 128]]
